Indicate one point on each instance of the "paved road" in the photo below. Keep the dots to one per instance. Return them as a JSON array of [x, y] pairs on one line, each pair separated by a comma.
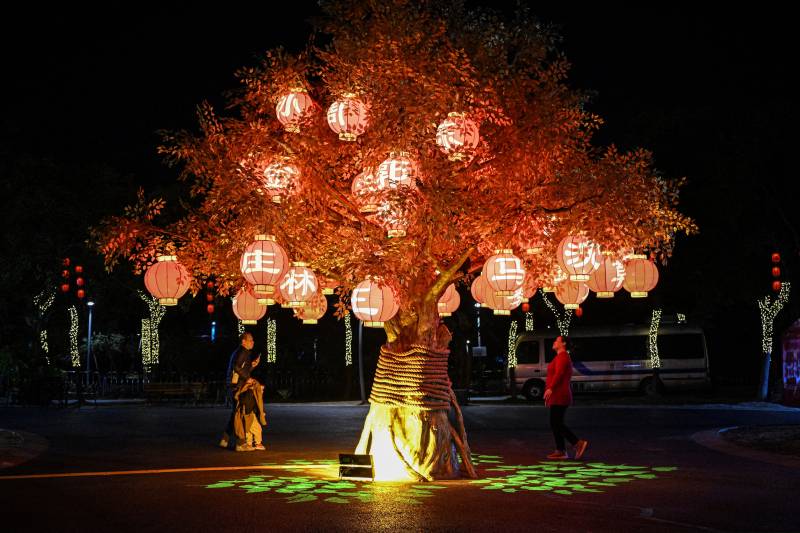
[[643, 472]]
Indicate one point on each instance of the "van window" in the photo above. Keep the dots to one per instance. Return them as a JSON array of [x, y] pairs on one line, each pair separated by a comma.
[[528, 353], [618, 348], [681, 346]]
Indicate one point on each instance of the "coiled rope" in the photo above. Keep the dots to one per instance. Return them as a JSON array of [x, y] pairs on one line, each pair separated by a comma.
[[413, 378]]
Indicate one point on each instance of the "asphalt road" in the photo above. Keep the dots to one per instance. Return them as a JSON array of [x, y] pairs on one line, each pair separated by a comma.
[[642, 472]]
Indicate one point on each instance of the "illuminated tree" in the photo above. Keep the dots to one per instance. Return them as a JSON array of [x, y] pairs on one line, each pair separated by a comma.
[[411, 64]]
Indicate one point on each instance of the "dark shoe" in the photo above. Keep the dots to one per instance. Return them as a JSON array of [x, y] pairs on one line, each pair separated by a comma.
[[558, 454], [580, 447]]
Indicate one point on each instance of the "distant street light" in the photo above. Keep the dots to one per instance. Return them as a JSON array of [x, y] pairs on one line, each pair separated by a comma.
[[90, 305]]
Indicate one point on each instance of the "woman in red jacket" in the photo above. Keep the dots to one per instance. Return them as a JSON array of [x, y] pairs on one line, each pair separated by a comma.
[[558, 396]]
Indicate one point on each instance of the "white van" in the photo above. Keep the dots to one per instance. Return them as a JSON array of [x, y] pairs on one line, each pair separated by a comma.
[[616, 359]]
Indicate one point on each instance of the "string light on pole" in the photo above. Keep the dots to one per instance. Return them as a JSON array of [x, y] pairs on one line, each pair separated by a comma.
[[528, 321], [769, 310], [512, 344], [240, 327], [562, 321], [272, 332], [147, 353], [152, 348], [42, 304], [73, 337], [681, 318], [655, 320], [348, 340]]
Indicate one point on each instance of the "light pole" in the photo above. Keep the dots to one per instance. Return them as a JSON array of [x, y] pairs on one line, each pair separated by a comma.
[[361, 362], [90, 305], [478, 314]]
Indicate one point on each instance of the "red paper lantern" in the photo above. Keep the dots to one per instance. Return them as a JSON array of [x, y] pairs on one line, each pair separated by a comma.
[[554, 278], [65, 261], [263, 264], [294, 108], [398, 170], [210, 309], [572, 294], [348, 117], [298, 285], [65, 287], [503, 304], [449, 301], [776, 272], [167, 280], [526, 307], [479, 288], [65, 274], [80, 293], [578, 256], [209, 285], [78, 269], [607, 279], [641, 277], [776, 286], [79, 282], [364, 190], [457, 136], [776, 257], [529, 287], [373, 303], [314, 309], [393, 217], [279, 178], [209, 297], [504, 272], [579, 312], [246, 307]]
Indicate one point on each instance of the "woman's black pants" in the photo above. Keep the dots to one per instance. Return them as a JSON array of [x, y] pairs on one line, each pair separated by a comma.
[[560, 431]]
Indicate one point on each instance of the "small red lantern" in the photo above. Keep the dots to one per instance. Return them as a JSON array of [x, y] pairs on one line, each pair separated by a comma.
[[246, 307], [79, 282], [65, 287], [210, 309], [526, 307], [776, 286], [65, 262], [579, 312], [78, 269], [348, 117], [209, 297], [209, 285], [776, 257], [80, 293], [776, 272], [167, 280], [65, 273], [641, 277]]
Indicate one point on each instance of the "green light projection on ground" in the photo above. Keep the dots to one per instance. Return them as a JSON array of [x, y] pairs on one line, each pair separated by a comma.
[[558, 477]]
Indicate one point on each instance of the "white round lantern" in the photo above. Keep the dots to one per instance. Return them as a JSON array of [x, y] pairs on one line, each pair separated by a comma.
[[374, 303], [578, 256], [299, 285], [504, 272], [348, 116]]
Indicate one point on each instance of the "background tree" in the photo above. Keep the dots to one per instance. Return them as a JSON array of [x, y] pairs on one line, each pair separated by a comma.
[[534, 174]]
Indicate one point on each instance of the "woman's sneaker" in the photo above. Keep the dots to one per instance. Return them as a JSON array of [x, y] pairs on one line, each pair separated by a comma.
[[558, 454], [580, 447], [259, 447], [244, 448]]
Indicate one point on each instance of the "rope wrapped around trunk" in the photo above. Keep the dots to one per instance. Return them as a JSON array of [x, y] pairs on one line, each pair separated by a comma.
[[414, 378]]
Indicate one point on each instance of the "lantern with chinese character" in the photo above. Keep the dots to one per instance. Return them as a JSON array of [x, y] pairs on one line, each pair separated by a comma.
[[503, 304], [479, 288], [399, 170], [449, 301], [299, 285], [394, 217], [364, 191], [641, 276], [607, 279], [348, 116], [504, 272], [572, 294], [246, 308], [167, 280], [529, 288], [554, 279], [457, 136], [578, 256], [374, 303], [293, 109], [279, 178], [263, 264], [313, 311]]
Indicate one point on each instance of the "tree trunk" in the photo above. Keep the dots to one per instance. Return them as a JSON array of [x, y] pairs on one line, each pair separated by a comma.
[[414, 429]]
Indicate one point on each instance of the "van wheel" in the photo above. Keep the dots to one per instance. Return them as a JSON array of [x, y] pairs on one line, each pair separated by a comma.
[[651, 387], [533, 389]]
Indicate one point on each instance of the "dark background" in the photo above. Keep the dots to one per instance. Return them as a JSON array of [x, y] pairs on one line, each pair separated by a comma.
[[87, 90]]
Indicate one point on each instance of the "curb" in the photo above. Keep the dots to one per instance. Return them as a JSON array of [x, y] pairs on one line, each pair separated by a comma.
[[17, 447], [713, 439]]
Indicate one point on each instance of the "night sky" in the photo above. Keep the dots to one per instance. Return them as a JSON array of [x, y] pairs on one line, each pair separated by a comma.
[[707, 91]]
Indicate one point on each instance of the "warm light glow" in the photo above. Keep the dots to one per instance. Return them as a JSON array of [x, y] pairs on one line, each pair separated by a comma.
[[562, 320], [151, 346], [314, 309], [348, 116], [512, 344], [449, 301], [280, 177], [608, 278], [263, 264], [503, 305], [479, 288], [572, 294], [167, 280], [655, 320], [578, 256], [293, 108], [398, 170], [73, 337], [641, 277], [246, 307], [503, 272], [529, 322], [299, 285], [364, 190], [457, 136], [272, 340], [373, 303], [348, 340]]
